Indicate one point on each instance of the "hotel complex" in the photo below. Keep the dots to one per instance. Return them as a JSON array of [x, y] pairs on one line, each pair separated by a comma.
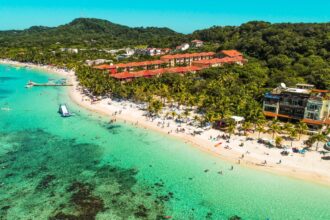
[[303, 103], [174, 63]]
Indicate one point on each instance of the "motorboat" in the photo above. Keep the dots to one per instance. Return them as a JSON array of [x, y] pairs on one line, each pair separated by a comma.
[[64, 111]]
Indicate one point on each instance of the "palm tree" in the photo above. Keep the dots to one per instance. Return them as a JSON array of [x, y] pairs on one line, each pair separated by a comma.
[[231, 129], [158, 106], [260, 129], [287, 127], [274, 127], [246, 126], [293, 134], [302, 128], [278, 141], [173, 114], [260, 122], [186, 114], [319, 138]]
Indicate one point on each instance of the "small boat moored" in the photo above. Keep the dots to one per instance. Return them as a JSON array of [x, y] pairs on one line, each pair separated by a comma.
[[64, 111]]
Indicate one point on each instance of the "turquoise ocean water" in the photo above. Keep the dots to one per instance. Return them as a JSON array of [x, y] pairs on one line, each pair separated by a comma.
[[83, 168]]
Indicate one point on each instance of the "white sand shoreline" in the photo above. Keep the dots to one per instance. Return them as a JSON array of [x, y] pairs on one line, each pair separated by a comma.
[[309, 167]]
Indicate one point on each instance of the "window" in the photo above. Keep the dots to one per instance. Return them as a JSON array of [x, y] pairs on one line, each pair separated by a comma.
[[312, 107], [270, 109], [312, 115]]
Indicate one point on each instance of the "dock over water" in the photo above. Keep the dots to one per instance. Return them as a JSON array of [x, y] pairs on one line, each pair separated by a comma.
[[60, 83]]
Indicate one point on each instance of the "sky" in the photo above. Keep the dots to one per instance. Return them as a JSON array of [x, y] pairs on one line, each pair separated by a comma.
[[184, 16]]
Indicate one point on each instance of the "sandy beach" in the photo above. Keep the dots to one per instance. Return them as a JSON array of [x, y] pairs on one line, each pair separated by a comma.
[[308, 166]]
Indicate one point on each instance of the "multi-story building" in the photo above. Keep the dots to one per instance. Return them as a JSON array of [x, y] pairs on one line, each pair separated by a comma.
[[175, 63], [303, 103], [197, 43], [187, 58]]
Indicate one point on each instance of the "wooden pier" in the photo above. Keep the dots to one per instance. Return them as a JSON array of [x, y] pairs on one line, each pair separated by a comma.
[[31, 84]]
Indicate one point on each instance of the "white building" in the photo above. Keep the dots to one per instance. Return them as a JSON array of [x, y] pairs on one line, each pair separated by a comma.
[[183, 47]]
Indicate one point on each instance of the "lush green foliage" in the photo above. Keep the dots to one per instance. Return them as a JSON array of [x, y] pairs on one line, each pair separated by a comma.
[[217, 92], [89, 33], [290, 53], [293, 52]]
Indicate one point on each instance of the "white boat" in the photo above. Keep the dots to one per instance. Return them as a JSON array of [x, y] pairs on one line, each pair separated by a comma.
[[63, 110]]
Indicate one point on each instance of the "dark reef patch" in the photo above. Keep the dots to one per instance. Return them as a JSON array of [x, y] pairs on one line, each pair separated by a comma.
[[84, 201], [45, 182], [68, 178]]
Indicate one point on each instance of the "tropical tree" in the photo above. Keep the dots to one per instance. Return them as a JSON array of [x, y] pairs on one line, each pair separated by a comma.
[[260, 129], [287, 127], [301, 128], [278, 141], [292, 134], [155, 107], [173, 114], [319, 138], [274, 127], [186, 114], [231, 129], [246, 126]]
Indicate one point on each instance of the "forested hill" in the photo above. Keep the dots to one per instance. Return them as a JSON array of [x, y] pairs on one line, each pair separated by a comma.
[[292, 52], [89, 32], [262, 39]]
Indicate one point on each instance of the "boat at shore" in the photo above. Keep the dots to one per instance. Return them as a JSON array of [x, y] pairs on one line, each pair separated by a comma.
[[64, 111]]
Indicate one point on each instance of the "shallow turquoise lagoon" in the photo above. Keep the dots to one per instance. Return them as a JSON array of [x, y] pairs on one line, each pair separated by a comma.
[[84, 168]]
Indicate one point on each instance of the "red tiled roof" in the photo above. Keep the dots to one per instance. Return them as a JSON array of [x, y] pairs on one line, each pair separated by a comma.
[[137, 64], [187, 55], [104, 67], [197, 41], [219, 60], [231, 53], [150, 73]]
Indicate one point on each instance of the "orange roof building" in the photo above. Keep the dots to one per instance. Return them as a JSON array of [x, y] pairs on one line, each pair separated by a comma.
[[104, 67], [232, 53], [175, 63], [216, 62], [156, 72], [187, 58]]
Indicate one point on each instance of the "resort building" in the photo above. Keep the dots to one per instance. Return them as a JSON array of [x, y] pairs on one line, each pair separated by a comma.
[[183, 47], [176, 63], [226, 57], [128, 76], [186, 59], [303, 103], [110, 68], [144, 65], [153, 51], [217, 62], [197, 43], [231, 54]]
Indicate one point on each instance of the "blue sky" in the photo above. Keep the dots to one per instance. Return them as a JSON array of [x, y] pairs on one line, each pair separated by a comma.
[[181, 15]]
